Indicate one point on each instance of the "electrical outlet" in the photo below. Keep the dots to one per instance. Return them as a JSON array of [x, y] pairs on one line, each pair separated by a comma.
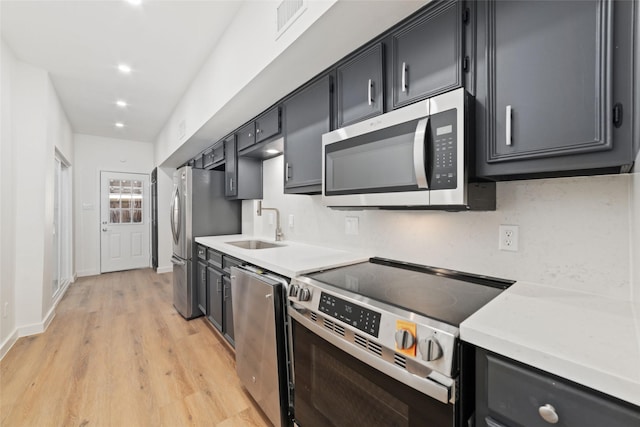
[[508, 238], [351, 225], [291, 221]]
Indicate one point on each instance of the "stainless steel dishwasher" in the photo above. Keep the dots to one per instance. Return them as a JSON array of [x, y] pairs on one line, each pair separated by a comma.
[[259, 311]]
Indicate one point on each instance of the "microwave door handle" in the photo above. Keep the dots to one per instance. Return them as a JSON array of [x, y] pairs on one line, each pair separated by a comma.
[[419, 154]]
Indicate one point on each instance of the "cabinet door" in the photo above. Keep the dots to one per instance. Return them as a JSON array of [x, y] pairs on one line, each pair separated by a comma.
[[202, 287], [307, 117], [246, 136], [544, 86], [360, 87], [427, 54], [268, 125], [214, 278], [228, 309], [230, 169]]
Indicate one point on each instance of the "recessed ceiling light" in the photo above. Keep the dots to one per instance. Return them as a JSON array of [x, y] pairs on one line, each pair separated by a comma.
[[272, 151], [119, 124], [124, 68], [134, 2], [121, 103]]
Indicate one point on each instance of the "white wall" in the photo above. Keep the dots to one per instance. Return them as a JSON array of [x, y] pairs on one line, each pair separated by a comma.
[[34, 126], [575, 233], [7, 205], [635, 221], [94, 154], [250, 69], [165, 247]]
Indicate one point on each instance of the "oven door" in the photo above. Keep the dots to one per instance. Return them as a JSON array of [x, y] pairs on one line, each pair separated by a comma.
[[333, 388]]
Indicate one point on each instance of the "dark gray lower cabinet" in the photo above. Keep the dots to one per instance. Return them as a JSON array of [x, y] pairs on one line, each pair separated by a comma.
[[509, 394], [554, 87], [202, 286], [227, 302], [307, 115], [214, 282]]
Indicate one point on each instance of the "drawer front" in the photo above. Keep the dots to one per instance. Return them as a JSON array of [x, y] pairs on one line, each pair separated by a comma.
[[214, 257], [246, 136], [202, 252], [228, 262], [515, 396]]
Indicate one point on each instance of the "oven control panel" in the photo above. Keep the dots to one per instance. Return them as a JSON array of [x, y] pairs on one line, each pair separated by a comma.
[[366, 320]]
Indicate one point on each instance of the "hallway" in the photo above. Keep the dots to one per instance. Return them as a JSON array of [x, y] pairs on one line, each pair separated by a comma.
[[117, 353]]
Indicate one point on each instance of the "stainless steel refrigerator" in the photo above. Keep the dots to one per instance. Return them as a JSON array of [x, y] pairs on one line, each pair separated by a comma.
[[198, 208]]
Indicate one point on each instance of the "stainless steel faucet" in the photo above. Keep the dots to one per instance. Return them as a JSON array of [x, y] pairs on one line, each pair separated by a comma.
[[279, 235]]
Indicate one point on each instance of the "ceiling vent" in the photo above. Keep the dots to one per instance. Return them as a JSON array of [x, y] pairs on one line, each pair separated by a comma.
[[287, 13]]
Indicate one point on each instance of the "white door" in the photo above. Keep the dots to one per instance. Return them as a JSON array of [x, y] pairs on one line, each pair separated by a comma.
[[124, 221]]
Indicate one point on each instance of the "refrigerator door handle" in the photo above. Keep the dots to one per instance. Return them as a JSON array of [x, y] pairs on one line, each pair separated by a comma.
[[175, 228], [176, 260]]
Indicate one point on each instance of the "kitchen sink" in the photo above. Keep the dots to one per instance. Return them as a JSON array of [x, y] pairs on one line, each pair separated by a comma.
[[254, 244]]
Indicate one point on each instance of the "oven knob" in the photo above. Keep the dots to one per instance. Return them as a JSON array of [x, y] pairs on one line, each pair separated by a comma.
[[430, 349], [293, 290], [304, 294], [404, 339]]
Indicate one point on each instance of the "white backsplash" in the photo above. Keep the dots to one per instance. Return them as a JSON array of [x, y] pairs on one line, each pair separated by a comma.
[[574, 233]]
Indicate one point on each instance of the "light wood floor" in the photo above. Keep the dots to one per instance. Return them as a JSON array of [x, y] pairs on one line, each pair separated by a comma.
[[118, 354]]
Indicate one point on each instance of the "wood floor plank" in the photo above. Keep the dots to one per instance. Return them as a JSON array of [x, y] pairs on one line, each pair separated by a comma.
[[117, 353]]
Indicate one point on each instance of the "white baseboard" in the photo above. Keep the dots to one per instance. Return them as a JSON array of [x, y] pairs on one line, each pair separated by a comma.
[[84, 273], [8, 343], [162, 270]]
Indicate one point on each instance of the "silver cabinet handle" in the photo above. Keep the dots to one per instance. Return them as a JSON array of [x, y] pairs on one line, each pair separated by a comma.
[[419, 159], [404, 76], [218, 286], [287, 168], [369, 92], [548, 413], [231, 184], [104, 229], [257, 131], [508, 124]]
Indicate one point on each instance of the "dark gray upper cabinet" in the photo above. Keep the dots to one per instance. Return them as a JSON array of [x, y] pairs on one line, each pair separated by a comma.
[[360, 87], [243, 176], [230, 170], [246, 136], [307, 116], [545, 94], [269, 124], [426, 54]]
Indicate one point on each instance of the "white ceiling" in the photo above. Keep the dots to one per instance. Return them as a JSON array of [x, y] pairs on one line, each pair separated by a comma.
[[81, 43]]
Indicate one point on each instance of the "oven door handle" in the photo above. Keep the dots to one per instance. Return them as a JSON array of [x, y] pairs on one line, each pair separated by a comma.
[[431, 388]]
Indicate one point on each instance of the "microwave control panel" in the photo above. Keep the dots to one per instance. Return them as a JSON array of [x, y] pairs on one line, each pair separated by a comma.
[[444, 153]]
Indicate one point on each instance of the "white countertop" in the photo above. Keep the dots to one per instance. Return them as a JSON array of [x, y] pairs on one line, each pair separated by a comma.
[[290, 260], [589, 339]]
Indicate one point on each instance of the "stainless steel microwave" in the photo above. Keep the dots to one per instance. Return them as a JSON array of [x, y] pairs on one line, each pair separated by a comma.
[[418, 156]]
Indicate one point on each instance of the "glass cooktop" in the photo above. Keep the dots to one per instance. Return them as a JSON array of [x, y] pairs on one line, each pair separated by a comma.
[[440, 294]]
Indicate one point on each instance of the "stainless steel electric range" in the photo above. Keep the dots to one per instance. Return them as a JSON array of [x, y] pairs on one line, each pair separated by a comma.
[[377, 344]]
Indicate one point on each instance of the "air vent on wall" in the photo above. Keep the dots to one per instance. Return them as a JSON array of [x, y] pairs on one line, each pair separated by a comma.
[[287, 12]]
